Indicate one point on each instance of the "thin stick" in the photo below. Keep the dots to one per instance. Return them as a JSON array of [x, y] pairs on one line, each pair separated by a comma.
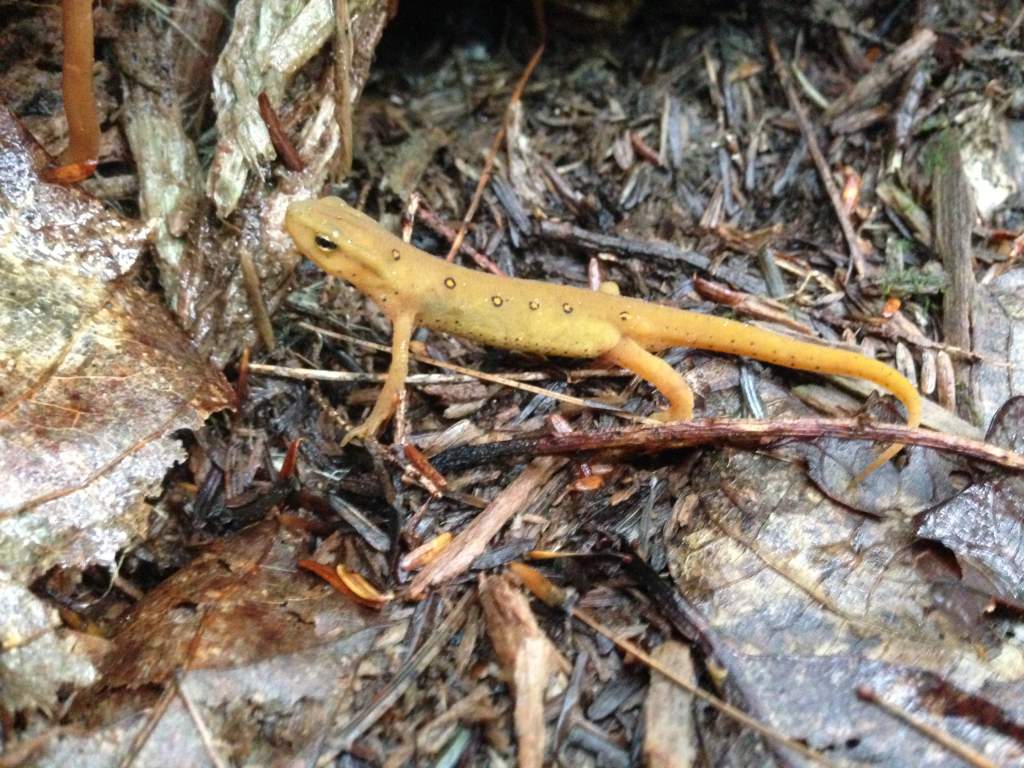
[[425, 379], [748, 432], [278, 137], [954, 745], [260, 313], [807, 129], [197, 719], [343, 85], [499, 137], [884, 72], [494, 378], [143, 734], [442, 229]]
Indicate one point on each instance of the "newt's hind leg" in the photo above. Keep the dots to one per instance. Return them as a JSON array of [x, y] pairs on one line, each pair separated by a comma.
[[631, 356]]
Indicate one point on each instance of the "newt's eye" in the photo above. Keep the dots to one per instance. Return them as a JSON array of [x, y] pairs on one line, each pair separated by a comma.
[[325, 244]]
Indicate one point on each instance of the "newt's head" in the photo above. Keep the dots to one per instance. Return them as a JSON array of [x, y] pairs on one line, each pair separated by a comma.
[[340, 239]]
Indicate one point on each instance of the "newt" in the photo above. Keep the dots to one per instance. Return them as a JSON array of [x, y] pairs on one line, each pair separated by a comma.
[[415, 289]]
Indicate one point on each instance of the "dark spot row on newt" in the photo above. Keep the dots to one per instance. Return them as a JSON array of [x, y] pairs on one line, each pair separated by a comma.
[[306, 220], [498, 301]]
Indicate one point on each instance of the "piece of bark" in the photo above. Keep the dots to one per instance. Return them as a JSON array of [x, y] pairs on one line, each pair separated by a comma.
[[670, 733], [884, 73], [528, 658], [954, 216], [472, 540]]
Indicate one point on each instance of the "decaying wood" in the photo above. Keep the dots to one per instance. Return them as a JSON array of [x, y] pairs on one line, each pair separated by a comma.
[[884, 73], [473, 539], [954, 220], [528, 658], [670, 732]]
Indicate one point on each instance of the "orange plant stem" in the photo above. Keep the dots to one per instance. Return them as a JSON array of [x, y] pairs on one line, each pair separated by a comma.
[[79, 101]]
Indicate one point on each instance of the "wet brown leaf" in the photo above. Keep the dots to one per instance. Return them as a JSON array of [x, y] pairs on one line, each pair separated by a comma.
[[998, 336], [810, 600], [262, 652], [983, 526], [95, 378]]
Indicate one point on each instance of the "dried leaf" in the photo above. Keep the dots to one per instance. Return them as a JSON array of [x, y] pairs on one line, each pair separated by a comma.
[[426, 552], [805, 600], [997, 323], [983, 525], [349, 583], [261, 652], [95, 378]]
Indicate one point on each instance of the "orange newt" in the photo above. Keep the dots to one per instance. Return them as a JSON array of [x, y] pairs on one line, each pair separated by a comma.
[[414, 289]]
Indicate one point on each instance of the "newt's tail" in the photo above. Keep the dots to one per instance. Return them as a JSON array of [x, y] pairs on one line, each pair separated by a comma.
[[728, 336]]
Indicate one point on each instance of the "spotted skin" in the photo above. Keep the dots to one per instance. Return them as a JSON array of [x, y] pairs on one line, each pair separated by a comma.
[[416, 289]]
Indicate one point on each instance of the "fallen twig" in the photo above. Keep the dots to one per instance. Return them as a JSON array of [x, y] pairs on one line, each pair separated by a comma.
[[884, 73], [438, 227], [284, 147], [809, 134], [741, 432], [499, 137]]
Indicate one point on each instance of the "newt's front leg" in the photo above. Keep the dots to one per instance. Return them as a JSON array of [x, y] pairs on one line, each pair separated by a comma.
[[631, 356], [402, 327]]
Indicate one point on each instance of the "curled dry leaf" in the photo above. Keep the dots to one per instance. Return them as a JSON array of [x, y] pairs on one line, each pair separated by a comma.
[[95, 378], [349, 583], [426, 552]]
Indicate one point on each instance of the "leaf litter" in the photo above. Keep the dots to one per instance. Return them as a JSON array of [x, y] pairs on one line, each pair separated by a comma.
[[660, 147], [96, 379]]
